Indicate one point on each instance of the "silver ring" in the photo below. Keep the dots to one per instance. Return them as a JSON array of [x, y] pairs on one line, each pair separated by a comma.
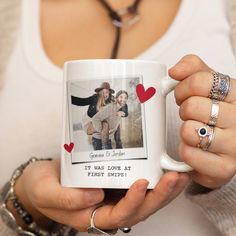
[[202, 133], [213, 93], [206, 136], [224, 86], [220, 86], [92, 229], [214, 112], [210, 138]]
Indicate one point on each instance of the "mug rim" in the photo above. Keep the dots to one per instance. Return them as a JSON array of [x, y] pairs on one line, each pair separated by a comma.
[[84, 61]]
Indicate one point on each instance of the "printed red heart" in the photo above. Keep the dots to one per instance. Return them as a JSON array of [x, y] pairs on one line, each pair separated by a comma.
[[144, 95], [69, 147]]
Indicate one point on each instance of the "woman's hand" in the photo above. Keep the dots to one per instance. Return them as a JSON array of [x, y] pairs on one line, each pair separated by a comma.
[[39, 190], [217, 165]]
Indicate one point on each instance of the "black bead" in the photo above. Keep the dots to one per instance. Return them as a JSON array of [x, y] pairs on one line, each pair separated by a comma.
[[28, 219], [20, 211], [15, 203]]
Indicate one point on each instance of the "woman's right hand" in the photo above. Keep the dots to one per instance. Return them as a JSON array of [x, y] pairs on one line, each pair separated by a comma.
[[39, 191]]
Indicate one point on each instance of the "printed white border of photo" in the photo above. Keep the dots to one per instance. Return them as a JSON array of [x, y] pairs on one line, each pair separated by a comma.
[[112, 154]]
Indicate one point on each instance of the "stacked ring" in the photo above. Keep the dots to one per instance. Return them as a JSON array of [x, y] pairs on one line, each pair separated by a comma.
[[203, 133], [219, 90], [214, 89], [210, 138], [220, 87], [224, 86]]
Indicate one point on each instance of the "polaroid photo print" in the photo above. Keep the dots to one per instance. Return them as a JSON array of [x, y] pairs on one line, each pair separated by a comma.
[[106, 120]]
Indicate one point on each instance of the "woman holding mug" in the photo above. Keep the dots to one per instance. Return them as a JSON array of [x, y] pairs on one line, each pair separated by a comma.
[[47, 33]]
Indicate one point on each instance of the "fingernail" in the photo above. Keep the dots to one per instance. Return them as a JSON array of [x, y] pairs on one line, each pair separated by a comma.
[[143, 186], [94, 197], [185, 179]]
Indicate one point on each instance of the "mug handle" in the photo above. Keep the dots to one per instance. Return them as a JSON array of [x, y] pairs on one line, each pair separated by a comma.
[[167, 162]]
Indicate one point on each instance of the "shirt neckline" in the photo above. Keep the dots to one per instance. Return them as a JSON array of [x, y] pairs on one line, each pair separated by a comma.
[[41, 63], [32, 43]]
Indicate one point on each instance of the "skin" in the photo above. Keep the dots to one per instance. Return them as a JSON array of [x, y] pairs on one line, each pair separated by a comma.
[[217, 166], [64, 25], [105, 93], [122, 99], [82, 29]]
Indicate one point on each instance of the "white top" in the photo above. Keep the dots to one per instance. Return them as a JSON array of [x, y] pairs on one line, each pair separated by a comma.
[[31, 99]]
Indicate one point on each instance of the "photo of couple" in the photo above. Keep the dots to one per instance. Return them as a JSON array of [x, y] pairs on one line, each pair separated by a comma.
[[105, 111], [105, 114]]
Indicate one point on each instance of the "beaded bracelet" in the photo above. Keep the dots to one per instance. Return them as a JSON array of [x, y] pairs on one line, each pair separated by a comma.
[[7, 193], [27, 218]]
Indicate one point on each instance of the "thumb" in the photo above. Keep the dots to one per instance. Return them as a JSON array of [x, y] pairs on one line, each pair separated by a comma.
[[53, 195], [43, 188]]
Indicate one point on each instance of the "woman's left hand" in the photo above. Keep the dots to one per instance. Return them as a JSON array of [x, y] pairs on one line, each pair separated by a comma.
[[217, 165]]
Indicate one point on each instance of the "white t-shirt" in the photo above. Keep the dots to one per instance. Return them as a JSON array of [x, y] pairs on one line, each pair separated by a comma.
[[31, 99]]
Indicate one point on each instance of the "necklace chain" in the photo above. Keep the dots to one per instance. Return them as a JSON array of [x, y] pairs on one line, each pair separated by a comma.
[[131, 16]]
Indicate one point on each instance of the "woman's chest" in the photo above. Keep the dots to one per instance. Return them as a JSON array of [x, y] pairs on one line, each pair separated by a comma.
[[83, 29]]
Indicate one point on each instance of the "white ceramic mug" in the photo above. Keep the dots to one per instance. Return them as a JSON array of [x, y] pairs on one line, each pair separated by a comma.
[[127, 137]]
